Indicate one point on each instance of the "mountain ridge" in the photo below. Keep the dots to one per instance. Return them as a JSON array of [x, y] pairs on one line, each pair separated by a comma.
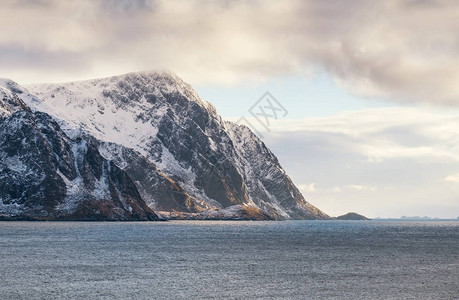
[[182, 156]]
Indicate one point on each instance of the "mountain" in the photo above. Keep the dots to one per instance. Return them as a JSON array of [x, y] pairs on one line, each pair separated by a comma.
[[185, 161], [352, 216], [46, 175]]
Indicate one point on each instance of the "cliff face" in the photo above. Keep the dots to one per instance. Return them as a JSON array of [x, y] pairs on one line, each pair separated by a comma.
[[182, 158], [46, 175]]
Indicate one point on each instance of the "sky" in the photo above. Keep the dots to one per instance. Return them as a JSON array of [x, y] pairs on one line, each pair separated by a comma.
[[369, 87], [347, 153]]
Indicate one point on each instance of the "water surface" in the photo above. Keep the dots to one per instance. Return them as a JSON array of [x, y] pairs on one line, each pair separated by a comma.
[[229, 260]]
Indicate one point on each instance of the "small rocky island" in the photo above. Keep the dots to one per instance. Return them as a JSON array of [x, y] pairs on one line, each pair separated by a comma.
[[352, 216]]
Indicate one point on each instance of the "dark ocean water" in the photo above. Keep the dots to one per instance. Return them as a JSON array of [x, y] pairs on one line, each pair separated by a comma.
[[230, 260]]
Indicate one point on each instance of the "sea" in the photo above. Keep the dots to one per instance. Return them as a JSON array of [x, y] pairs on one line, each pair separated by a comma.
[[230, 260]]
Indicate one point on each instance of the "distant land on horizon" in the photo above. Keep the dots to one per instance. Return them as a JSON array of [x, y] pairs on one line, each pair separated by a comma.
[[352, 216], [416, 218]]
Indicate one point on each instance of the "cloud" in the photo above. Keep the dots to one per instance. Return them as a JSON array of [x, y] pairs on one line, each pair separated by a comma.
[[400, 50], [308, 188], [312, 187], [453, 178], [383, 162], [355, 187], [384, 133], [36, 59]]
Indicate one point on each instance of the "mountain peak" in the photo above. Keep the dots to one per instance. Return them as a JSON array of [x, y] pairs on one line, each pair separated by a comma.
[[10, 86], [4, 82], [129, 88], [9, 100]]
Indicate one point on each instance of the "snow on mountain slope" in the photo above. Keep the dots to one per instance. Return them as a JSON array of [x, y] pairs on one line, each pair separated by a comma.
[[9, 101], [44, 174], [189, 151]]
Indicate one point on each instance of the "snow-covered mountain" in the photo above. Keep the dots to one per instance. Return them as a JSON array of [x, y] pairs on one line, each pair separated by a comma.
[[185, 161], [44, 174]]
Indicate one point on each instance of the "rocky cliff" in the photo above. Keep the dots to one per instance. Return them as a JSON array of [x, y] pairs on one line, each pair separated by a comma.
[[183, 159], [46, 175]]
